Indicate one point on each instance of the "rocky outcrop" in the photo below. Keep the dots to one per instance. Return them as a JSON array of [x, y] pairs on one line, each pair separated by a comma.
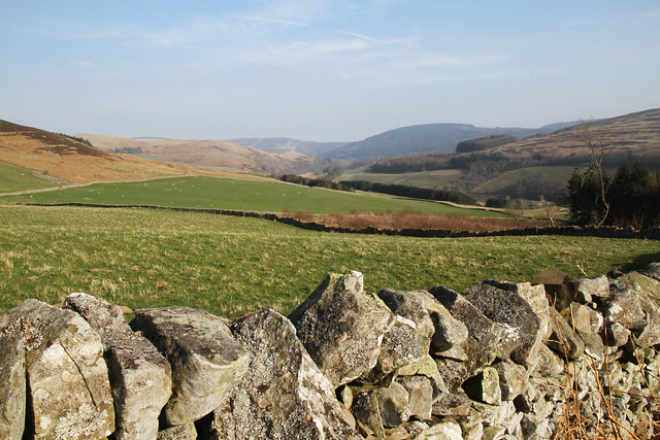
[[506, 360]]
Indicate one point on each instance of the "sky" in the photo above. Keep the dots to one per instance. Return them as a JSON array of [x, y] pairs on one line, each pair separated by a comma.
[[322, 70]]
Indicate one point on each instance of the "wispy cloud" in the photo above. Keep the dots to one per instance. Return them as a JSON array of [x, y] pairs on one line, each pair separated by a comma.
[[85, 64], [652, 15]]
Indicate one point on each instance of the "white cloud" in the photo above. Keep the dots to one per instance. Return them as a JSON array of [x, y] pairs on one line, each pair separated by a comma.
[[85, 64]]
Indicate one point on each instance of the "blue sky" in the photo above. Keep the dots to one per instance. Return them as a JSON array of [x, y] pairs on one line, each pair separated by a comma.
[[322, 70]]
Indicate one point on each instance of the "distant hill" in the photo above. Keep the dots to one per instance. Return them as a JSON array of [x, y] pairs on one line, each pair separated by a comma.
[[211, 153], [287, 144], [60, 159], [635, 136], [535, 166], [437, 138]]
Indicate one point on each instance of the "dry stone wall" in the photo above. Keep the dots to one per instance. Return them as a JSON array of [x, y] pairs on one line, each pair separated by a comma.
[[556, 357]]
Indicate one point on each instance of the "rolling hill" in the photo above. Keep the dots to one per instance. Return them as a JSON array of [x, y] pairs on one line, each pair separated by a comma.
[[282, 144], [55, 158], [213, 153], [437, 138], [532, 167]]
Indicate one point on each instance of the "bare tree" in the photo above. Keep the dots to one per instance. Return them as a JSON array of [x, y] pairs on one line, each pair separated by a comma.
[[598, 142]]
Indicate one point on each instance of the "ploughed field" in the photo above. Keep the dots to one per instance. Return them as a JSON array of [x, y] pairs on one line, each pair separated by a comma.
[[233, 265]]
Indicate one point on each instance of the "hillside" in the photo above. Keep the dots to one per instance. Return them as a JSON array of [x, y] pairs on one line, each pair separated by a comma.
[[438, 138], [281, 144], [212, 153], [528, 168], [630, 137], [57, 158]]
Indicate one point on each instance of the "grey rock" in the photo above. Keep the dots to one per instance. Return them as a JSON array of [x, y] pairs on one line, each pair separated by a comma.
[[342, 328], [615, 334], [447, 429], [454, 403], [392, 404], [100, 314], [431, 317], [62, 353], [402, 345], [13, 390], [548, 363], [412, 305], [522, 330], [512, 379], [484, 387], [420, 395], [140, 377], [181, 432], [283, 394], [483, 334], [563, 339], [514, 315], [535, 296], [367, 415], [205, 358], [453, 373], [623, 305], [449, 334]]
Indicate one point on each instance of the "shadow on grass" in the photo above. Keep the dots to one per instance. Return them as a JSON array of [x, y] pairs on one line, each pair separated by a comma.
[[640, 262]]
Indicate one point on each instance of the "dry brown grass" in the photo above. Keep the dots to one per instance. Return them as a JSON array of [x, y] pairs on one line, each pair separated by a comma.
[[410, 219]]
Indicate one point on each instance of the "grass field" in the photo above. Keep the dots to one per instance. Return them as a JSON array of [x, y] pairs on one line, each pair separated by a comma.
[[239, 194], [561, 174], [230, 266], [13, 178], [422, 179]]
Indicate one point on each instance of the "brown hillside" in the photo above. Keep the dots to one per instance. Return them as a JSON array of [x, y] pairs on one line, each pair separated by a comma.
[[65, 160], [209, 153], [635, 133]]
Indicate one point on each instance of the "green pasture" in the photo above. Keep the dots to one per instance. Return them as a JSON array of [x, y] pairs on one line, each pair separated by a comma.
[[510, 178], [422, 179], [233, 265], [238, 194], [13, 178]]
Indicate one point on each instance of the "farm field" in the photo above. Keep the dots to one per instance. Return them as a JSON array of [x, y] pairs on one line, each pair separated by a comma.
[[238, 194], [233, 265], [510, 178], [423, 179], [20, 179]]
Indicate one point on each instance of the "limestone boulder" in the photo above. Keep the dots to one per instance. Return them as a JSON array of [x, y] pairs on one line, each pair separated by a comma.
[[622, 305], [402, 345], [412, 305], [483, 334], [342, 328], [521, 327], [205, 359], [420, 395], [62, 353], [283, 394], [140, 377], [13, 396], [563, 340]]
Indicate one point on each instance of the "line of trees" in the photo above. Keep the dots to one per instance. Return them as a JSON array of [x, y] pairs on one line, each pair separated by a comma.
[[412, 192], [630, 197], [321, 183]]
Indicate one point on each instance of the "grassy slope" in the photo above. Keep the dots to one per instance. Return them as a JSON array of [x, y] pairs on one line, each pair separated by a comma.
[[13, 178], [422, 179], [231, 265], [510, 178], [251, 195]]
